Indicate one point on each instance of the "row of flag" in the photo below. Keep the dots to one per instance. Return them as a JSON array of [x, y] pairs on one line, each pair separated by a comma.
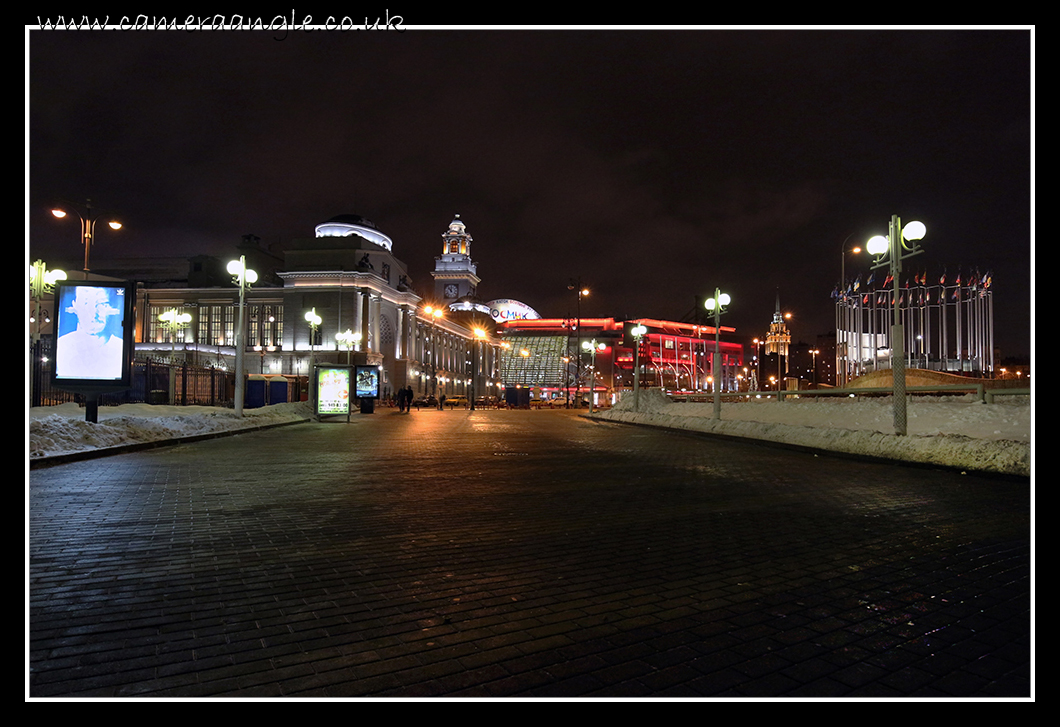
[[971, 281]]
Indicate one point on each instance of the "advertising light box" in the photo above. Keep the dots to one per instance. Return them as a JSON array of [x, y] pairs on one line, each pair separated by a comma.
[[333, 390], [367, 382], [93, 334]]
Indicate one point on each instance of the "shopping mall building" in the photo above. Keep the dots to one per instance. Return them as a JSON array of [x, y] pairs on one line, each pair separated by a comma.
[[342, 296]]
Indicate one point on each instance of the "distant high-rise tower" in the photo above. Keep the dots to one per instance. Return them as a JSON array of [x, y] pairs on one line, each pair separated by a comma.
[[455, 276], [779, 338]]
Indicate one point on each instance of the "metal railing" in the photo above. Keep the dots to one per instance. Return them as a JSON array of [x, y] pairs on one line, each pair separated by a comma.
[[150, 383], [982, 393]]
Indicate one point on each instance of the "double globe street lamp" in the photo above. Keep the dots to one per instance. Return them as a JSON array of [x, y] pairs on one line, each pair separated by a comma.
[[637, 332], [172, 322], [889, 251], [717, 306], [244, 277], [592, 347]]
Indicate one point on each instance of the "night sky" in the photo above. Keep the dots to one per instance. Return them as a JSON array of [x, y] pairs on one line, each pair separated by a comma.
[[654, 165]]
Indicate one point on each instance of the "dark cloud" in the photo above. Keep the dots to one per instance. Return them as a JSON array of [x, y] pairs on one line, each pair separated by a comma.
[[654, 164]]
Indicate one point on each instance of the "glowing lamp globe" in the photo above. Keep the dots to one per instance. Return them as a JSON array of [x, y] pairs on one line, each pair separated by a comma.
[[914, 231], [877, 245]]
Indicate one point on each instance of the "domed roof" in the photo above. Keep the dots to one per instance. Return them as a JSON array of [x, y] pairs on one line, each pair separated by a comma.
[[346, 225], [352, 220]]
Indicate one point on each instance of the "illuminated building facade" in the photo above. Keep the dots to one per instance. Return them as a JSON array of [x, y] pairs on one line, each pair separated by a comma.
[[538, 353], [778, 339], [348, 275]]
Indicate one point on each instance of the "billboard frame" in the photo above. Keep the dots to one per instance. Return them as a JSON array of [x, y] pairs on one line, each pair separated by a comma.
[[86, 359]]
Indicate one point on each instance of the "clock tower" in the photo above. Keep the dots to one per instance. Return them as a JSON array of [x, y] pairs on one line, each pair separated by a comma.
[[455, 276]]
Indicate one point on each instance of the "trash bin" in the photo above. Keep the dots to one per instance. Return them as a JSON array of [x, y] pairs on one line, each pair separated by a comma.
[[255, 398]]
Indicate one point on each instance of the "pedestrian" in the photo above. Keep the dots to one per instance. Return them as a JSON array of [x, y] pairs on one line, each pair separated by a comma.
[[401, 401], [409, 397], [441, 402]]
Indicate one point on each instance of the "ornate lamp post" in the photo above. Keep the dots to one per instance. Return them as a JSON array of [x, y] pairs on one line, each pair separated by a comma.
[[888, 251], [717, 305], [244, 277], [88, 225]]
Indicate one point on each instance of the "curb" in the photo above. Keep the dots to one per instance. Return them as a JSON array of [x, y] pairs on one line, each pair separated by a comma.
[[57, 459], [979, 472]]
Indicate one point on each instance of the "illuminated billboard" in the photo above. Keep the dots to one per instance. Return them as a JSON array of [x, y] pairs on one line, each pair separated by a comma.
[[367, 382], [94, 334], [505, 309], [333, 390]]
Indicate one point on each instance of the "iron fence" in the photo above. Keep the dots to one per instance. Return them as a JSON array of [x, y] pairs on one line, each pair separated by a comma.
[[150, 383]]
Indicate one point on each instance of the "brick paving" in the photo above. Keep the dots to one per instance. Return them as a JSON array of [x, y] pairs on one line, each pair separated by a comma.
[[521, 554]]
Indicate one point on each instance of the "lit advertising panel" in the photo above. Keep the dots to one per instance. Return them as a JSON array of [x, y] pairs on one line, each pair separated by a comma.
[[367, 382], [505, 309], [333, 390], [93, 334]]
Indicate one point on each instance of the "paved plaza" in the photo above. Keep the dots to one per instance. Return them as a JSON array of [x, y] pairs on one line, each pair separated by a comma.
[[521, 554]]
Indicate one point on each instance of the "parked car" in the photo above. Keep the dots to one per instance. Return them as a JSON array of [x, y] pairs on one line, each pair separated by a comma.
[[456, 401]]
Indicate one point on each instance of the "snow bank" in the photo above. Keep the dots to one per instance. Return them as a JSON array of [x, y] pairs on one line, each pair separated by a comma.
[[56, 430], [956, 432]]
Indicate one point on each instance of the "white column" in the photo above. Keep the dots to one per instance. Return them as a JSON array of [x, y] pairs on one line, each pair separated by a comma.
[[358, 319], [375, 301]]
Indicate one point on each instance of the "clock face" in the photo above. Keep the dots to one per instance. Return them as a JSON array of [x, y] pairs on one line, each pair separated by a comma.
[[450, 291]]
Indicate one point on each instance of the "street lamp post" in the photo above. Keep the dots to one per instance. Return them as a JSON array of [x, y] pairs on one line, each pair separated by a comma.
[[476, 364], [348, 339], [526, 358], [888, 251], [582, 292], [41, 282], [717, 305], [433, 314], [173, 321], [88, 225], [314, 322], [842, 347], [637, 331], [592, 348], [244, 277]]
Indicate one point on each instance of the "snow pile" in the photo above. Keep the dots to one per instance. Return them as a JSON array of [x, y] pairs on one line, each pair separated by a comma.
[[949, 431], [62, 429]]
